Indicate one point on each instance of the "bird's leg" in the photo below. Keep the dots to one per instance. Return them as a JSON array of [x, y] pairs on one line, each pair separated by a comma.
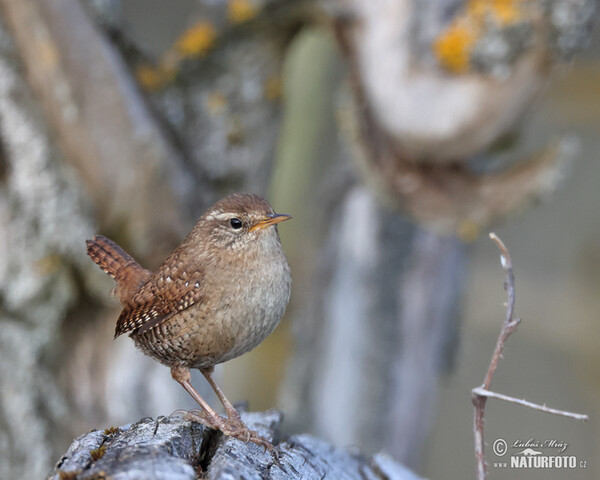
[[211, 418], [233, 427], [239, 428], [232, 413]]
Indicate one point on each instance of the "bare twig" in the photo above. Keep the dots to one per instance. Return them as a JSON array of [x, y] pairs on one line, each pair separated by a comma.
[[542, 408], [482, 393], [510, 323]]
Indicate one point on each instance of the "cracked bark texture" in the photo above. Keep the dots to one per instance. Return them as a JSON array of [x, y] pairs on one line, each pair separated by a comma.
[[170, 448], [85, 151]]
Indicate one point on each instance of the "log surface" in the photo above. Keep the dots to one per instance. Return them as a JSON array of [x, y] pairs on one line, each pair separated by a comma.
[[171, 448]]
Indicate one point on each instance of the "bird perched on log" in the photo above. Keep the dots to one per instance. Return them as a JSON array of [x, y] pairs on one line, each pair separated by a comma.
[[216, 297]]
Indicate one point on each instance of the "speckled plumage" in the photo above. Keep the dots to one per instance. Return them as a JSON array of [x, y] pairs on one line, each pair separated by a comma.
[[217, 296]]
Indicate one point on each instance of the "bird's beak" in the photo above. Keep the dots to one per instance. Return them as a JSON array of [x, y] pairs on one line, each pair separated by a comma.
[[270, 219]]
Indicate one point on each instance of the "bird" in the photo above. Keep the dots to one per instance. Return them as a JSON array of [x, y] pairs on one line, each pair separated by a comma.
[[218, 295]]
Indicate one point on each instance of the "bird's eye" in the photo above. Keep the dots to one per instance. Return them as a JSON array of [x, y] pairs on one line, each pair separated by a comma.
[[235, 223]]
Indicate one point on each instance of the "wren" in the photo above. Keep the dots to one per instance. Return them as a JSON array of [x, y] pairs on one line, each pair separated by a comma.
[[216, 297]]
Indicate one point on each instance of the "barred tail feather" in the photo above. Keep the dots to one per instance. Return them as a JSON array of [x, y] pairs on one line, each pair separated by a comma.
[[121, 266]]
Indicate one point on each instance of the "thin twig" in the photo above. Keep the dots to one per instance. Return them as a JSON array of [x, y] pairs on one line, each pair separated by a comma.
[[542, 408], [481, 394], [510, 323]]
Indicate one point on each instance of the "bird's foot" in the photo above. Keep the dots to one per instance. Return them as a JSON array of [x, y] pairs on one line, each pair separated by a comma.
[[192, 415], [238, 429], [233, 416], [232, 427], [195, 415]]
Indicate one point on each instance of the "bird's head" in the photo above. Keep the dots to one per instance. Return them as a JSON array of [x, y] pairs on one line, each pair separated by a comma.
[[240, 220]]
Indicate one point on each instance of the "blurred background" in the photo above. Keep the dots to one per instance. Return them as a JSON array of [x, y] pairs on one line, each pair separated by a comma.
[[396, 136]]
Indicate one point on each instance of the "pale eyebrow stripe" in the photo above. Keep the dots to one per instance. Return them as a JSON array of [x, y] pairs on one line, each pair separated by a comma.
[[219, 216]]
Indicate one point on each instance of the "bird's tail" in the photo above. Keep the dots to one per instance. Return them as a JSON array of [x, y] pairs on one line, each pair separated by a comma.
[[121, 266]]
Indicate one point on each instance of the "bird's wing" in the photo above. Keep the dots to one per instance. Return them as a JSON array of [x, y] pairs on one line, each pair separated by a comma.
[[158, 300]]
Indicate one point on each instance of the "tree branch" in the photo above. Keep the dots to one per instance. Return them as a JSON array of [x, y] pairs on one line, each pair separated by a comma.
[[482, 393], [542, 408]]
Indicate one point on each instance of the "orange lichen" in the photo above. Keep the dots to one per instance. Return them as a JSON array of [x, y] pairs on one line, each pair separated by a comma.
[[197, 40], [501, 11], [194, 42], [507, 11], [273, 87], [453, 47], [149, 77], [239, 11]]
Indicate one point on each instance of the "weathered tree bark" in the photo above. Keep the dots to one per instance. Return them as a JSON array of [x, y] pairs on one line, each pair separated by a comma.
[[170, 448], [84, 152], [43, 217], [377, 329], [378, 325]]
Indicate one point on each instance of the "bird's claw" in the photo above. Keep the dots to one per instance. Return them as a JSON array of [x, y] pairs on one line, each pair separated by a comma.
[[232, 427], [239, 430], [198, 416]]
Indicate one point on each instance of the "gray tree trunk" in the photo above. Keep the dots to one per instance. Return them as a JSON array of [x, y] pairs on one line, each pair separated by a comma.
[[84, 152], [377, 325]]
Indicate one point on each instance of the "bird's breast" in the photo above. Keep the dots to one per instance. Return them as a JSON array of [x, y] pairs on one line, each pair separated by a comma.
[[254, 302], [246, 294]]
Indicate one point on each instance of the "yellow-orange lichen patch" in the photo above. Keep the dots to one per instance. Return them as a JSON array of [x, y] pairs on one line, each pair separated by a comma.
[[150, 77], [500, 11], [196, 40], [239, 11], [454, 45]]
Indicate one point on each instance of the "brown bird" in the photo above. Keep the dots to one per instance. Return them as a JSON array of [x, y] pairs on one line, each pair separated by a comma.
[[217, 296]]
